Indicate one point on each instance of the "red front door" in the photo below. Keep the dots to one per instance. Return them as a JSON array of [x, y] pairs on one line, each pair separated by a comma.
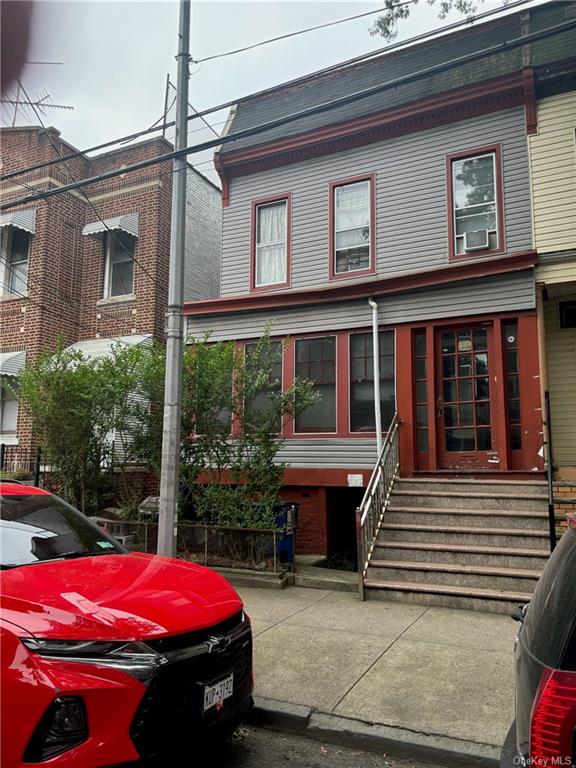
[[464, 411]]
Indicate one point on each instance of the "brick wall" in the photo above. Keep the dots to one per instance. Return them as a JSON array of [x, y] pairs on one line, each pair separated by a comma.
[[66, 269], [311, 535], [564, 502]]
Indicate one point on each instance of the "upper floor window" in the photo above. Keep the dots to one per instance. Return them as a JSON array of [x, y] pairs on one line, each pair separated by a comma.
[[476, 203], [271, 247], [316, 360], [362, 414], [14, 266], [352, 225], [119, 267]]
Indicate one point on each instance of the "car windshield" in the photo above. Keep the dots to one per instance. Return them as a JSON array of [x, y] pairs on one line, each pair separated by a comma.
[[36, 527]]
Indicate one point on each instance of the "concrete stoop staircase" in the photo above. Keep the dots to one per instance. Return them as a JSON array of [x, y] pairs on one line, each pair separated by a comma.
[[475, 544]]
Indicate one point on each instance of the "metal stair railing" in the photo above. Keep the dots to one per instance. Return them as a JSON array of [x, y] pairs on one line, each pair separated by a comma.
[[370, 513]]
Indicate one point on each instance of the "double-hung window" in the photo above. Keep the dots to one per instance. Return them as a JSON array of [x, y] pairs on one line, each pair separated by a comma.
[[362, 415], [351, 206], [476, 193], [14, 266], [264, 373], [271, 246], [119, 270], [316, 360]]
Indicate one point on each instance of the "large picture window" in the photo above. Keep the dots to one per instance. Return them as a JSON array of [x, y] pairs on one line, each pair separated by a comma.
[[316, 360], [475, 203], [259, 407], [362, 418], [14, 265], [119, 271], [352, 227], [271, 244]]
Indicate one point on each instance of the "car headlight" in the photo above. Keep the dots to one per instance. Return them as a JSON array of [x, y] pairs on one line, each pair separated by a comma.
[[134, 658]]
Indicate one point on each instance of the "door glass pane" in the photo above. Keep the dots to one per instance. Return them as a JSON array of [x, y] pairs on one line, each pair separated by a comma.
[[513, 387], [420, 365], [422, 415], [481, 363], [421, 392], [481, 389], [464, 341], [460, 440], [483, 413], [512, 361], [484, 439], [466, 414], [422, 439], [465, 389], [448, 342], [450, 392], [448, 367], [464, 365], [480, 339], [451, 415]]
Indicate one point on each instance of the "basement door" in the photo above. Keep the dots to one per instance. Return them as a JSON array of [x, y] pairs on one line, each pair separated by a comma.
[[464, 410]]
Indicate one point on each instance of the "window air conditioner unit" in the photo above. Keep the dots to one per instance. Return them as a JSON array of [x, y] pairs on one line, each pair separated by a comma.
[[477, 240]]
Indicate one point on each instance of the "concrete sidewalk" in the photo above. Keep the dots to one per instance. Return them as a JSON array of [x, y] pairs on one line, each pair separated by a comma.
[[436, 672]]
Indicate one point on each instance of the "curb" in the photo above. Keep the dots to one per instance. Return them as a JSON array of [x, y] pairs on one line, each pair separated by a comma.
[[372, 737]]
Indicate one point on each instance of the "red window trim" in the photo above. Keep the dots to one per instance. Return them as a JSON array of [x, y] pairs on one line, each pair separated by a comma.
[[495, 149], [332, 274], [287, 196], [368, 332]]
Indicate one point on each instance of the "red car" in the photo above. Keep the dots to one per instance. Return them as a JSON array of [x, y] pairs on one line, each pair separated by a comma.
[[110, 657]]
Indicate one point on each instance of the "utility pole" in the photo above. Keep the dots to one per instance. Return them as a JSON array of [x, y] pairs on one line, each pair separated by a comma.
[[170, 470]]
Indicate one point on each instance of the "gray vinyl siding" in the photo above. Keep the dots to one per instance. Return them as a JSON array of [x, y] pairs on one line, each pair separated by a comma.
[[509, 292], [329, 453], [203, 238], [411, 200]]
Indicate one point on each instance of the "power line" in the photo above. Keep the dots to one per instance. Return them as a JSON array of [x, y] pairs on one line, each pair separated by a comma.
[[298, 32], [332, 68], [84, 195], [318, 109]]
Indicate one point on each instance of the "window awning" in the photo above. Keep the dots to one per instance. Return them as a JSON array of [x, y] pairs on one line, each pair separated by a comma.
[[127, 223], [11, 363], [95, 348], [25, 220]]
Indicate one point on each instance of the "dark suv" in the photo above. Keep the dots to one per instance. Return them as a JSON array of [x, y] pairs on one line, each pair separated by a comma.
[[544, 732]]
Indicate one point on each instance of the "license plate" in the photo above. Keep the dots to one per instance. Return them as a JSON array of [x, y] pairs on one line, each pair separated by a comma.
[[217, 693]]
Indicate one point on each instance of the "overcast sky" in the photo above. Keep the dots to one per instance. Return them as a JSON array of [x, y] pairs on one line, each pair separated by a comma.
[[116, 54]]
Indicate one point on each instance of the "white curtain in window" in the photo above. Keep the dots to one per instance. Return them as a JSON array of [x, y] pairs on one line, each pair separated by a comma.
[[271, 244]]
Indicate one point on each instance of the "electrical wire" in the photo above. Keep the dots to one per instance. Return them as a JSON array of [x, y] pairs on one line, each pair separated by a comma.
[[315, 110], [298, 32], [333, 68], [84, 195]]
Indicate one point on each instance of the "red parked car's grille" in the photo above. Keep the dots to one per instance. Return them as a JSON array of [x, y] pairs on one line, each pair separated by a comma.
[[170, 716]]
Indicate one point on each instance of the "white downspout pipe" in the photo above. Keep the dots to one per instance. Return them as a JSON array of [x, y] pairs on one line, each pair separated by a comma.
[[376, 360]]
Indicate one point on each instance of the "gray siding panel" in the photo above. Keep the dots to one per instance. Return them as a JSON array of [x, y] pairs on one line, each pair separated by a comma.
[[501, 293], [411, 202], [329, 453]]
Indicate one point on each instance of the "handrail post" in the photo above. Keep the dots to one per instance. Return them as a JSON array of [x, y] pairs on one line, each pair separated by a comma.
[[360, 551], [550, 472]]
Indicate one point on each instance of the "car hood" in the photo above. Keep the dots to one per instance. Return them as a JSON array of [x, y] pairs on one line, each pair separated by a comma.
[[115, 597]]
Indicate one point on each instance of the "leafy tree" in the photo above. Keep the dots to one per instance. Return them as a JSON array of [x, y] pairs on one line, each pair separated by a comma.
[[398, 10]]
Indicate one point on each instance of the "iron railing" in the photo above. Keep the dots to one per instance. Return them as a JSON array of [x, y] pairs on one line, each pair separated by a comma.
[[377, 497], [550, 471], [21, 463]]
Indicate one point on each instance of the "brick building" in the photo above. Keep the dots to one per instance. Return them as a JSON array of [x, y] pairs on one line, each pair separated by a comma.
[[89, 271]]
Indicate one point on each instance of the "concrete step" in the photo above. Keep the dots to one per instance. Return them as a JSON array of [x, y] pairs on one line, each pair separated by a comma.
[[534, 487], [442, 534], [512, 557], [448, 516], [450, 574], [469, 598], [525, 502]]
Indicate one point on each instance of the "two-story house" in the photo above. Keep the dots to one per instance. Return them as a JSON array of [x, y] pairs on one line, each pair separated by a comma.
[[92, 270], [415, 196]]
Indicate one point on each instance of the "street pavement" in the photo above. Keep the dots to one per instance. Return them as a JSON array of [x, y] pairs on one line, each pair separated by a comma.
[[255, 748], [431, 671]]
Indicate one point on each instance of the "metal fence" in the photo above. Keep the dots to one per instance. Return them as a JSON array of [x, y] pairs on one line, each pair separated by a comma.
[[21, 463], [211, 545]]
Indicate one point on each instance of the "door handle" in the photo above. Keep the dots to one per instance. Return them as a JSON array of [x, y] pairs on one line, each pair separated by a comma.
[[439, 407]]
